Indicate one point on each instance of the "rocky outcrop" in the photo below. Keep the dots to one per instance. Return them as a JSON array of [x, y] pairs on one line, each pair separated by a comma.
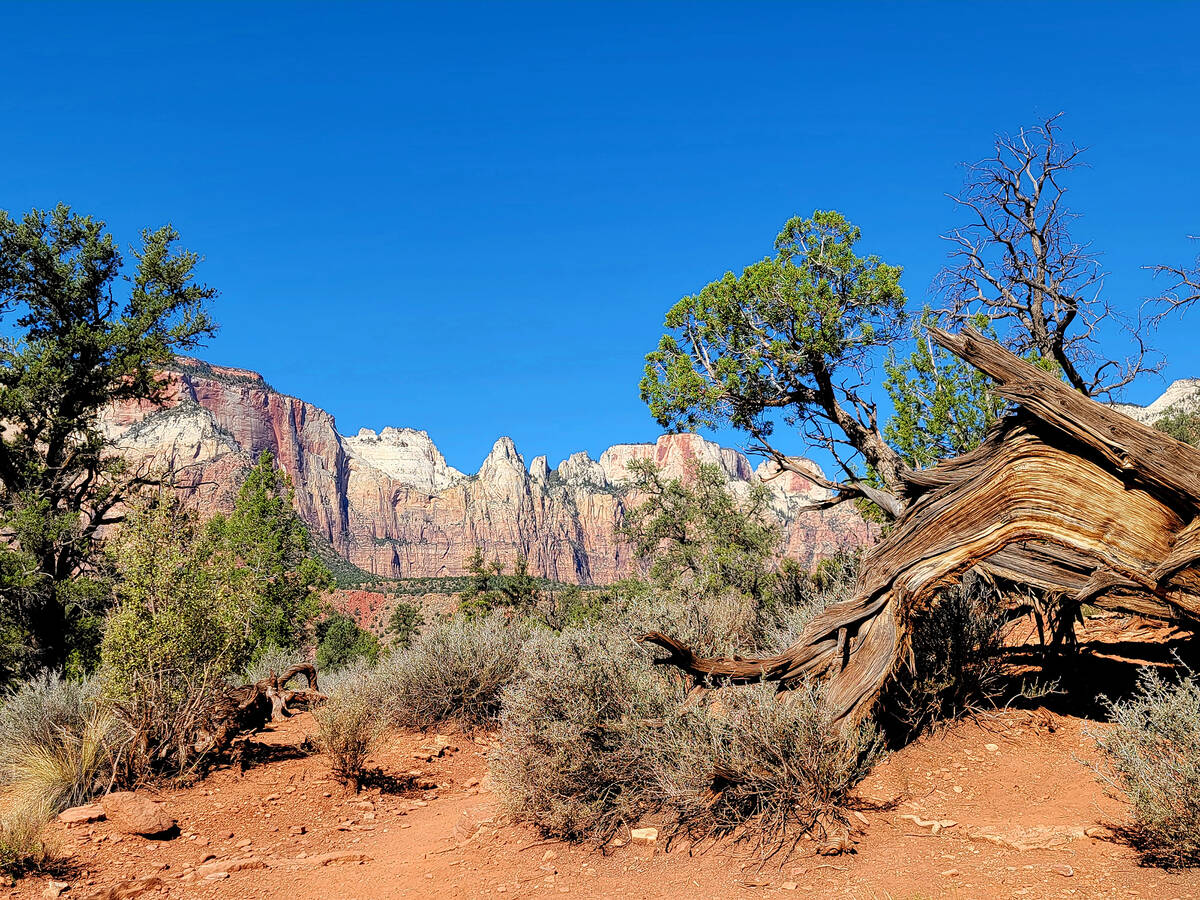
[[390, 504], [1182, 395]]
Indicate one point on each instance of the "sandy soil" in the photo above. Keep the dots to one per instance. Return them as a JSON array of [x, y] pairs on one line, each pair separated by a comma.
[[285, 830]]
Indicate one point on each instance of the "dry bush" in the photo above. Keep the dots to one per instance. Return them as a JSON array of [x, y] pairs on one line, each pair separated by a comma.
[[23, 845], [577, 755], [269, 660], [768, 766], [800, 596], [1152, 754], [455, 670], [955, 663], [58, 744], [350, 721]]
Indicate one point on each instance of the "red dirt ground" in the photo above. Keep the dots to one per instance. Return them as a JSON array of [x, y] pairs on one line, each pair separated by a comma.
[[452, 841]]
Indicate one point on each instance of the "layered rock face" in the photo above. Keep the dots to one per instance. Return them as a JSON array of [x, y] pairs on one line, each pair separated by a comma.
[[390, 504]]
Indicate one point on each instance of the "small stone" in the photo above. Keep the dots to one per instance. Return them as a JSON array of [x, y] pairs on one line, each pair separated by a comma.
[[338, 858], [81, 815], [242, 845], [957, 789], [644, 836], [297, 829], [1064, 871], [549, 855], [134, 814], [55, 888], [950, 873], [223, 867], [789, 886], [990, 748]]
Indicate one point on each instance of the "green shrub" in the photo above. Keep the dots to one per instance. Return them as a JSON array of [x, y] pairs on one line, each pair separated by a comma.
[[572, 758], [1181, 424], [57, 744], [350, 721], [455, 670], [177, 632], [766, 765], [1152, 754], [342, 641]]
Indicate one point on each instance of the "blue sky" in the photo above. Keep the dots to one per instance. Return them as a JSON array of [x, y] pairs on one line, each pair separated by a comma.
[[471, 218]]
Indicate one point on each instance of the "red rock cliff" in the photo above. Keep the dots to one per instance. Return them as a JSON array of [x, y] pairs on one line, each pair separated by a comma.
[[390, 504]]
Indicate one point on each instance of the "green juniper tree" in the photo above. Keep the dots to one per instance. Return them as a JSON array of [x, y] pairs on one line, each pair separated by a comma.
[[275, 557], [81, 330], [791, 338]]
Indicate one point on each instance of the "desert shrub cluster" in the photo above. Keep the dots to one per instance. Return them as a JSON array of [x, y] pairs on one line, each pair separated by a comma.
[[578, 755], [1151, 754], [456, 670]]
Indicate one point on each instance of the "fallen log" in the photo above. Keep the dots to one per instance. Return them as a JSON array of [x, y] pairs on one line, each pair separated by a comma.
[[1064, 495], [249, 708]]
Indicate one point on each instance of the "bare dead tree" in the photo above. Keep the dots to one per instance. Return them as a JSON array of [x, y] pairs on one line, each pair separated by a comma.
[[1181, 294], [1017, 264]]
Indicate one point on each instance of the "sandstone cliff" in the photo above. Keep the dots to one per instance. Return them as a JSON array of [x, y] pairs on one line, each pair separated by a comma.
[[390, 504]]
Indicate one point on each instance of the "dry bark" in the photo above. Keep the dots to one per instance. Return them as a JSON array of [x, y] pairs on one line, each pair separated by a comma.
[[1065, 496], [249, 708]]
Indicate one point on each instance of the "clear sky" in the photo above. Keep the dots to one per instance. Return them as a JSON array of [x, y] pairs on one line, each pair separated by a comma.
[[470, 218]]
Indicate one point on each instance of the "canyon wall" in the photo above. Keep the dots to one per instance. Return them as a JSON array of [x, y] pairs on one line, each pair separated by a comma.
[[391, 505]]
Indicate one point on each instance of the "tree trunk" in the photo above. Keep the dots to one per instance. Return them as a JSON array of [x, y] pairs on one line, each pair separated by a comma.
[[1064, 495]]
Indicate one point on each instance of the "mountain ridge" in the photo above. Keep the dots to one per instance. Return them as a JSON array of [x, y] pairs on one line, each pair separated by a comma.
[[389, 503]]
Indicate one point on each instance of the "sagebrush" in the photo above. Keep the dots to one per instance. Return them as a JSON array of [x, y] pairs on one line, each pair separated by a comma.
[[455, 670], [1152, 755], [577, 752]]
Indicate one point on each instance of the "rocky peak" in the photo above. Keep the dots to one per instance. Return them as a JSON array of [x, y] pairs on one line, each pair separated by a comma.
[[579, 469], [1181, 395], [390, 504], [405, 454], [675, 455]]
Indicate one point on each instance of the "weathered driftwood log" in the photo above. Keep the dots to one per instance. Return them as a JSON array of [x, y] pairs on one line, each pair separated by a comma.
[[1065, 496], [248, 709]]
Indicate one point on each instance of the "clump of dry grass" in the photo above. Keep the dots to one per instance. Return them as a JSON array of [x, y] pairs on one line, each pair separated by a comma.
[[23, 845], [57, 744]]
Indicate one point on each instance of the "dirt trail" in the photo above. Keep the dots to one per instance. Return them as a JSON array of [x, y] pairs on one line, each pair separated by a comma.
[[1003, 781]]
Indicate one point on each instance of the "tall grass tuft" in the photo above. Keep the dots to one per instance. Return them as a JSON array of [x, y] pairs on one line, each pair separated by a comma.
[[57, 744]]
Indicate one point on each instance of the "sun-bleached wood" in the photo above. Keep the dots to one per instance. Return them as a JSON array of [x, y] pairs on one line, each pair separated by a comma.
[[1064, 495]]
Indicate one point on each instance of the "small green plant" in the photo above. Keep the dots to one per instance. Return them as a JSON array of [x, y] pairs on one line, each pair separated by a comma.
[[1152, 755]]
